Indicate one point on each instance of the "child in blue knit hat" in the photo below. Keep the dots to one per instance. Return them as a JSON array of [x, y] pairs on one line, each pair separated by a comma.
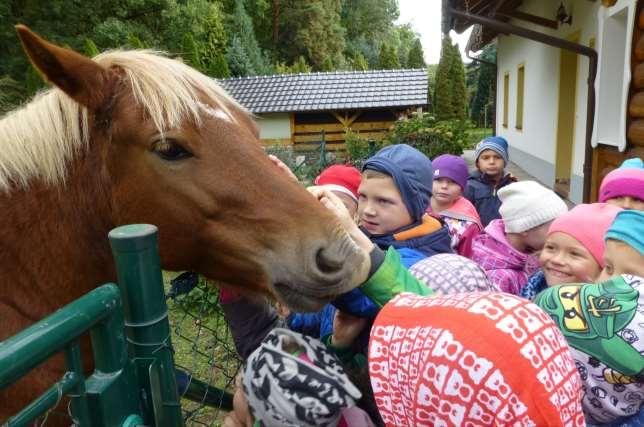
[[624, 252], [482, 185]]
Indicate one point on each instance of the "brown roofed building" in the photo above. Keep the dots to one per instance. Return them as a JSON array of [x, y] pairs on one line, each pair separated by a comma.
[[297, 108]]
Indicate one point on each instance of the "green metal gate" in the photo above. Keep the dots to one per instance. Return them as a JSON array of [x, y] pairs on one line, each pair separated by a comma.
[[133, 382]]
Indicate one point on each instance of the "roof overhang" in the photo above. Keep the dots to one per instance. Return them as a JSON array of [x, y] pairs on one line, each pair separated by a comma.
[[499, 10]]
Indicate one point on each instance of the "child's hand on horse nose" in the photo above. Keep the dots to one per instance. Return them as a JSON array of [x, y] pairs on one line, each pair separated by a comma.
[[282, 167], [348, 223], [335, 205]]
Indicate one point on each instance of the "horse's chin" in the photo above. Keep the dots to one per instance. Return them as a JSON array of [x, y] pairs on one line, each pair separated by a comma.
[[297, 302]]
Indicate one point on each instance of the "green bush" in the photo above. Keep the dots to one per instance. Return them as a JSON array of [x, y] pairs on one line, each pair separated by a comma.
[[359, 149], [430, 136], [305, 165]]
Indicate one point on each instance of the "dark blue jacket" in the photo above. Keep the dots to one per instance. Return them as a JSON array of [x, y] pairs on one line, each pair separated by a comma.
[[320, 324], [481, 192], [536, 283], [417, 248]]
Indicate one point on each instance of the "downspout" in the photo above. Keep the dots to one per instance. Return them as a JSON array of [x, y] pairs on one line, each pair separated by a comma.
[[493, 64], [504, 27]]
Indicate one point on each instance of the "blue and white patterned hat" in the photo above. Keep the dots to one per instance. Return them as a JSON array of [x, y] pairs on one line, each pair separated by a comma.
[[494, 143]]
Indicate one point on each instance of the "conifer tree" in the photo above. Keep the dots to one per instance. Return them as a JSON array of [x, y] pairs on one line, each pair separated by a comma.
[[450, 97], [458, 87], [416, 58], [360, 62], [443, 92], [388, 60], [244, 56]]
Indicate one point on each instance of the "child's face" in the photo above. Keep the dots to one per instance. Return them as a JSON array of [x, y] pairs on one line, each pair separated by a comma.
[[621, 258], [565, 260], [348, 203], [627, 202], [445, 191], [381, 209], [535, 238], [490, 163]]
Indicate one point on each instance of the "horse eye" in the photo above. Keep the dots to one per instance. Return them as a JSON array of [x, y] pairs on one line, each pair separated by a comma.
[[170, 150]]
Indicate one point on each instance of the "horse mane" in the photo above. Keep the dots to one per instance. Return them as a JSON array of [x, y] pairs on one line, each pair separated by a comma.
[[39, 139]]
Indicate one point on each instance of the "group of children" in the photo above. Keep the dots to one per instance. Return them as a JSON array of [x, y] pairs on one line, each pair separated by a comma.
[[488, 303]]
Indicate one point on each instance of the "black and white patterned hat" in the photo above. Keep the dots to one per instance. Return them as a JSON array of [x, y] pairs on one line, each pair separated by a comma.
[[294, 380]]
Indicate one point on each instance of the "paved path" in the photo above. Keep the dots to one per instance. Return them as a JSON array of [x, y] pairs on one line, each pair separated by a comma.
[[515, 170]]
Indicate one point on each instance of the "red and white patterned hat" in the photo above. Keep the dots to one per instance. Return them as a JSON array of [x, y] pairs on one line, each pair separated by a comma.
[[477, 359]]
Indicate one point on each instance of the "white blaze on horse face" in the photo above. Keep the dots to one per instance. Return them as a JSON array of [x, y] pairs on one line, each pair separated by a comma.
[[216, 113]]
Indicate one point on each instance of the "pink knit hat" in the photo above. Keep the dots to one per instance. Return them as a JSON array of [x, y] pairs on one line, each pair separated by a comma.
[[588, 223], [622, 182]]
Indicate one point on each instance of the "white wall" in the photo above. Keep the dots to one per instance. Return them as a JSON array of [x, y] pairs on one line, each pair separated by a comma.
[[274, 126], [538, 136]]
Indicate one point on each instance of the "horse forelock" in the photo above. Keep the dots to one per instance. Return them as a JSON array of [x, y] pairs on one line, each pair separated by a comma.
[[39, 139]]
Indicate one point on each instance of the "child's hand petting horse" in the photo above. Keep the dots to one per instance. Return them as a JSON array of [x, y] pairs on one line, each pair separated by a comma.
[[346, 329], [282, 167], [333, 202]]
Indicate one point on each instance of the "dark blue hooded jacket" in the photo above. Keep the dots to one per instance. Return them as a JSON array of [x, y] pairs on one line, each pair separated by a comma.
[[412, 172], [481, 192]]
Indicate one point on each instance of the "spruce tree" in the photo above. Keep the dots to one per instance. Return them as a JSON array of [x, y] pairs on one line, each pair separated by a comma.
[[387, 60], [243, 49], [483, 95], [238, 61], [458, 87], [443, 92], [416, 58], [360, 63], [190, 51]]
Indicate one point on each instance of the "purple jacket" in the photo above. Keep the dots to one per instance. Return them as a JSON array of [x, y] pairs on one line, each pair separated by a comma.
[[506, 267]]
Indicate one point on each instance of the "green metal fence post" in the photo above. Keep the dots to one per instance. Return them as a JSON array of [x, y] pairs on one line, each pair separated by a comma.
[[135, 250], [114, 382], [372, 147], [323, 151]]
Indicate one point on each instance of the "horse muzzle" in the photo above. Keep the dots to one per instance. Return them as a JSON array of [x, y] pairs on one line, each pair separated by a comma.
[[327, 271]]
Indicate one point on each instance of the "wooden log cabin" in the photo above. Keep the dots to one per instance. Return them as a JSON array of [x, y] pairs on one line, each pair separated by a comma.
[[295, 109], [544, 105]]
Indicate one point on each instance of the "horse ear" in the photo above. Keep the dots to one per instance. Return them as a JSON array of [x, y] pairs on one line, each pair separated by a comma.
[[79, 77]]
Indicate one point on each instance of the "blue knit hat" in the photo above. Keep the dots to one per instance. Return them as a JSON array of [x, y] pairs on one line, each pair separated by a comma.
[[628, 227], [494, 143], [635, 163], [412, 172]]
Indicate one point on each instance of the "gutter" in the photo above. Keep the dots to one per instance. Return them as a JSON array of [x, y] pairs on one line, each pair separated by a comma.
[[504, 27]]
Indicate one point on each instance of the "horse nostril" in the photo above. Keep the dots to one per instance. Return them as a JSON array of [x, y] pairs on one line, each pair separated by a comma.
[[327, 264]]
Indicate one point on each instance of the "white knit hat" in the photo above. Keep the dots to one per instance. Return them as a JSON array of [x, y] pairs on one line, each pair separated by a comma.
[[528, 204]]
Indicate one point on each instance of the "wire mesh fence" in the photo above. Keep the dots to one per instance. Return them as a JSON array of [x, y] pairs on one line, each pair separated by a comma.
[[205, 357]]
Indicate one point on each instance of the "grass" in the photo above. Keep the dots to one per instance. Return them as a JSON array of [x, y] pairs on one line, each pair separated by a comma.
[[475, 135], [203, 346]]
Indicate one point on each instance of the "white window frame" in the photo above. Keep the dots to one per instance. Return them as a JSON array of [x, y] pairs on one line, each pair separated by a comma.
[[614, 53]]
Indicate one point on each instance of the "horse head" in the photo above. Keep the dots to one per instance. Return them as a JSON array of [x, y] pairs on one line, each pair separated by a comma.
[[167, 146]]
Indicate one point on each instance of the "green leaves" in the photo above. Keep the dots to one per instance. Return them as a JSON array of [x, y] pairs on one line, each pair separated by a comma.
[[388, 59], [429, 135], [450, 94]]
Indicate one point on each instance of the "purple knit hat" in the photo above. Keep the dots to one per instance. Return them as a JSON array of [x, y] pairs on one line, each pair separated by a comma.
[[627, 180], [451, 274], [452, 167]]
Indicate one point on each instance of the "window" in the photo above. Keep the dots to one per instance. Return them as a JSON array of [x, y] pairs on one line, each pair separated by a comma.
[[506, 97], [520, 83]]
